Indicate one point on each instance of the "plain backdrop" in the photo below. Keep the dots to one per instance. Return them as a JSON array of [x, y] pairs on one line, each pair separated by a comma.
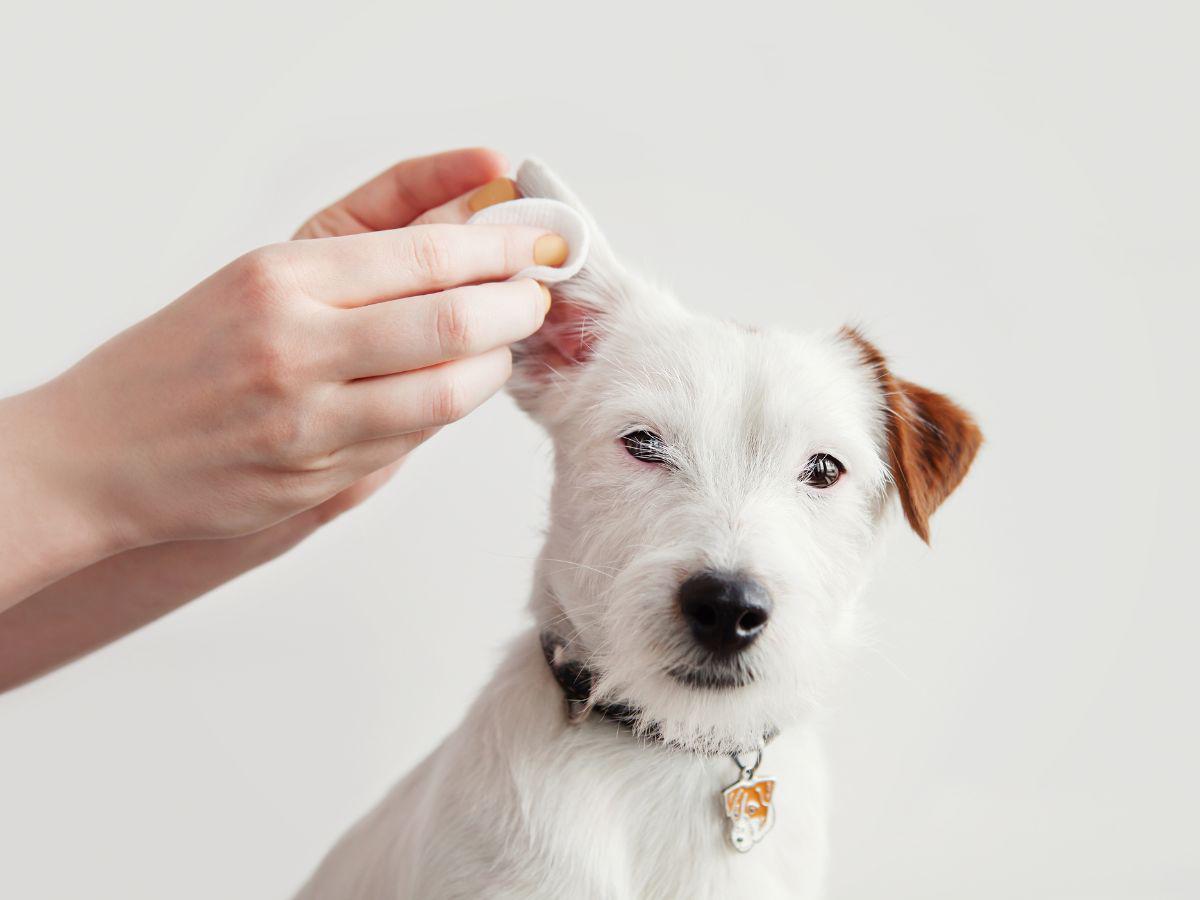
[[1004, 195]]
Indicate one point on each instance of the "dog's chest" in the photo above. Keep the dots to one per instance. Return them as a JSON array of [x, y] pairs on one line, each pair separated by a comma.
[[643, 822]]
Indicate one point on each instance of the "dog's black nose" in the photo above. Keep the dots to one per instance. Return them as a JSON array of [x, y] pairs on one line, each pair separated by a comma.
[[725, 611]]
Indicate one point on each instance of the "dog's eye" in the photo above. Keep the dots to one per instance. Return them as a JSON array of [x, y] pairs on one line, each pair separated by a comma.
[[646, 446], [822, 471]]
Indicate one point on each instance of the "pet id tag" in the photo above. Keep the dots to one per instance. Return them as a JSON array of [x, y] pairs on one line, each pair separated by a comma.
[[749, 806]]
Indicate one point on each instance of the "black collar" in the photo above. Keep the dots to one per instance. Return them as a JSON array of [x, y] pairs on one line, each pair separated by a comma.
[[576, 681]]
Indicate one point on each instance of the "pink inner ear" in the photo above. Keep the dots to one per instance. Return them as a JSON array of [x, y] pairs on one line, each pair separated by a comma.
[[568, 340]]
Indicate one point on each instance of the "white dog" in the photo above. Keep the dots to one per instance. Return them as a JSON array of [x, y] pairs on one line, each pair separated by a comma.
[[717, 498]]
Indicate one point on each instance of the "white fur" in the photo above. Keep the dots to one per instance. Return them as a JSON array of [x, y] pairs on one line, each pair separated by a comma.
[[517, 802]]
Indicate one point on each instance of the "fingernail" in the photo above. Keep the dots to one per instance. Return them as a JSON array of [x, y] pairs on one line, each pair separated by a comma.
[[546, 295], [550, 250], [498, 191]]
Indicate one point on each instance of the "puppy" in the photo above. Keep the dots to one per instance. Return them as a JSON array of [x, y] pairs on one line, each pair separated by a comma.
[[718, 495]]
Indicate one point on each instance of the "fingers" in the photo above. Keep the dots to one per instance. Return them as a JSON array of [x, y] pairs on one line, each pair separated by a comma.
[[416, 401], [396, 197], [403, 335], [367, 268], [378, 458], [461, 208]]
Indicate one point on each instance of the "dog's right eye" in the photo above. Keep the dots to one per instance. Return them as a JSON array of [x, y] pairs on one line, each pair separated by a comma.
[[822, 471], [646, 446]]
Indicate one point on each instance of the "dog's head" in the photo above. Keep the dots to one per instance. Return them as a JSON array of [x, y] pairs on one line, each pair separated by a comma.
[[718, 490]]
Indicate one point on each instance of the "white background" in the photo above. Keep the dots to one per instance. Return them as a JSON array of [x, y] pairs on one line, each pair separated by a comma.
[[1003, 194]]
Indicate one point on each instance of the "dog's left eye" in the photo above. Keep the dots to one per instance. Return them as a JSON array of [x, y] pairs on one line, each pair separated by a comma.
[[822, 471], [646, 446]]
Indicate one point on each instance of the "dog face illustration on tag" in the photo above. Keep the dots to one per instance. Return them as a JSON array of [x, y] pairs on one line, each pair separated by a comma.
[[749, 810]]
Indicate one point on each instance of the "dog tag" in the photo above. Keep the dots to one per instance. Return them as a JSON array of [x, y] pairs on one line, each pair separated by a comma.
[[749, 806]]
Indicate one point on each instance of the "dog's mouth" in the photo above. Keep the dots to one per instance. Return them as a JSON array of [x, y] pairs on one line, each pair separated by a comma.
[[712, 677]]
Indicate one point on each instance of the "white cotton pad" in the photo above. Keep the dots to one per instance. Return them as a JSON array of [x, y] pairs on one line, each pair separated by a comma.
[[543, 213]]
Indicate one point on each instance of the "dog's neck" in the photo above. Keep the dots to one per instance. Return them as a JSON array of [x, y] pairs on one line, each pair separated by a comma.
[[576, 681]]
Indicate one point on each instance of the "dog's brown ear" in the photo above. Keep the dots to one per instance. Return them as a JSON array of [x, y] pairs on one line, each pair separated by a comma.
[[931, 439]]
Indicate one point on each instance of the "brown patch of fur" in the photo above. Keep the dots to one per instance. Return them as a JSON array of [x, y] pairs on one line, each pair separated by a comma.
[[740, 798], [931, 440]]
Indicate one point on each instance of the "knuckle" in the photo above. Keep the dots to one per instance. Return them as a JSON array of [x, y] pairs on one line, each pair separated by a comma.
[[264, 276], [287, 439], [430, 254], [447, 401], [269, 364], [455, 326]]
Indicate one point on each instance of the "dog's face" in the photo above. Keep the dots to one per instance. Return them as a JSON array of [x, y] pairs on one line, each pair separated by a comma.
[[718, 491]]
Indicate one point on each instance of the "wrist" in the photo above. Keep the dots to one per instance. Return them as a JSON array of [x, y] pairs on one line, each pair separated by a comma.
[[50, 524]]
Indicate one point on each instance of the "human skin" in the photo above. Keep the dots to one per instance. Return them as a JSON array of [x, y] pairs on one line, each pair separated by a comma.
[[275, 395]]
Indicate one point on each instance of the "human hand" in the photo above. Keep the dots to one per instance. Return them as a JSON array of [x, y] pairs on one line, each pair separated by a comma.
[[300, 368], [169, 415]]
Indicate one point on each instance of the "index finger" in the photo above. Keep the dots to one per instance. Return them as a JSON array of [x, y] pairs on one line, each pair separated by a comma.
[[386, 265]]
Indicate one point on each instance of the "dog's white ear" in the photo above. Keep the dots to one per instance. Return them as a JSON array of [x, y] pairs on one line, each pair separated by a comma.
[[535, 179], [583, 305]]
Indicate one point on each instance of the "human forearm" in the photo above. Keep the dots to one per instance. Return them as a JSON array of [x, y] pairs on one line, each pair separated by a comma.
[[120, 594], [47, 530], [109, 599]]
